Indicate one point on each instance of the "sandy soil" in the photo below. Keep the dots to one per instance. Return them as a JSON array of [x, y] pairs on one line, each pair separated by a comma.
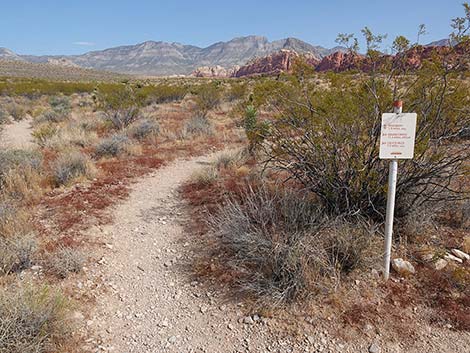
[[17, 135]]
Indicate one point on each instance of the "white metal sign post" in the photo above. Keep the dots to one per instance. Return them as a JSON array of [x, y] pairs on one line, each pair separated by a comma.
[[397, 139]]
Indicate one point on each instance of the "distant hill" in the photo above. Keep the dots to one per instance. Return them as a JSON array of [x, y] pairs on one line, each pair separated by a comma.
[[162, 58], [54, 71], [7, 54]]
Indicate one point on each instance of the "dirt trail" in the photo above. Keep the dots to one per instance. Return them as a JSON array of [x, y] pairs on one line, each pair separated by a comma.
[[153, 305], [17, 135]]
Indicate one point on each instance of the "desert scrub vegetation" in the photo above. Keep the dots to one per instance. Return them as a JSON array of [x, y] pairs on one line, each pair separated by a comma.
[[303, 214], [17, 252], [70, 166], [208, 97], [332, 149], [11, 160], [65, 261], [113, 146], [144, 129], [282, 245], [120, 105], [197, 126], [31, 319]]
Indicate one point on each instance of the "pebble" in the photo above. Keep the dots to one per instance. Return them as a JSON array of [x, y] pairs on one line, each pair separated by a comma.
[[373, 348]]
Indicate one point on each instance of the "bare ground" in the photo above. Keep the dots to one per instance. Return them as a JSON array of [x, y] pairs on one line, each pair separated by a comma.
[[148, 301], [17, 135]]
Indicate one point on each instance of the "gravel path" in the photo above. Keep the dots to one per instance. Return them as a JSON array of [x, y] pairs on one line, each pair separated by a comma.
[[153, 304]]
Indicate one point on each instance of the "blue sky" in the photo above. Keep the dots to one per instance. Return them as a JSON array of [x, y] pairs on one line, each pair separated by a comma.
[[73, 27]]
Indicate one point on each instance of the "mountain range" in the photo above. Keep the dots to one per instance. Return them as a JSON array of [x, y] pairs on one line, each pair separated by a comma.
[[162, 58]]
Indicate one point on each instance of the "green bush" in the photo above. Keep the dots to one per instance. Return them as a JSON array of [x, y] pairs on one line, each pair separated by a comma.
[[208, 97], [60, 103], [120, 105], [328, 140]]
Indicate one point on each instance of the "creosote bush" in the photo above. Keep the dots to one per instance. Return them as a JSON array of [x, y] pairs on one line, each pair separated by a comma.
[[120, 105], [208, 97], [32, 319], [328, 140]]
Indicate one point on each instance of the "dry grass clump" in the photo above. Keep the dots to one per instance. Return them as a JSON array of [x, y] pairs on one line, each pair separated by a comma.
[[144, 129], [113, 146], [17, 252], [19, 173], [44, 134], [65, 261], [31, 319], [282, 246], [231, 159], [197, 126], [51, 116], [16, 111], [10, 159], [205, 176], [70, 166]]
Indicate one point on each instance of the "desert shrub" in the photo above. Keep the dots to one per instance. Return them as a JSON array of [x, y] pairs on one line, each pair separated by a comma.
[[144, 129], [16, 111], [70, 166], [328, 140], [14, 159], [120, 105], [198, 125], [77, 135], [44, 133], [237, 91], [51, 116], [23, 184], [162, 93], [3, 117], [60, 104], [208, 97], [112, 146], [255, 130], [230, 159], [31, 319], [17, 252], [205, 176], [65, 261], [283, 247]]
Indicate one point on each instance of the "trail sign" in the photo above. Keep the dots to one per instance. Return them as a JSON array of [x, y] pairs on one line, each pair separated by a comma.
[[397, 135], [397, 141]]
